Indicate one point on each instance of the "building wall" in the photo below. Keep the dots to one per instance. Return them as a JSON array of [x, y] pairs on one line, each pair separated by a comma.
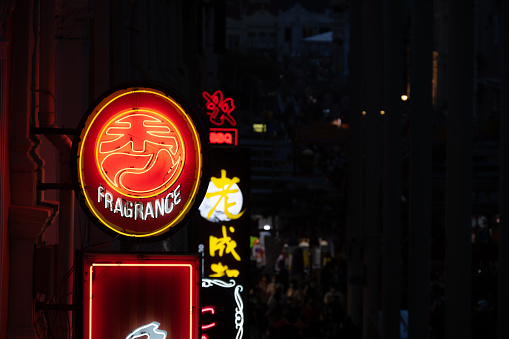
[[298, 23], [94, 45], [265, 28], [4, 184]]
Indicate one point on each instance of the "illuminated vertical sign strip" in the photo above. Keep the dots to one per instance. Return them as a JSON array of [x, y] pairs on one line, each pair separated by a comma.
[[90, 296], [221, 236]]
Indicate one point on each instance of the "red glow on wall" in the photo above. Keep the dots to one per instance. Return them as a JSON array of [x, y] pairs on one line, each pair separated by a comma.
[[123, 293], [226, 136], [219, 109]]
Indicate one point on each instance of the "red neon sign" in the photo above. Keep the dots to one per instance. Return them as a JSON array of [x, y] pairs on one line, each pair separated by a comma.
[[223, 136], [128, 297], [211, 310], [134, 146], [139, 162], [219, 109]]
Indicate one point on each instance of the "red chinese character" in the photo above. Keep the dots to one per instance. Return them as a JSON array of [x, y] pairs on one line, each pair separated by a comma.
[[219, 109], [137, 146]]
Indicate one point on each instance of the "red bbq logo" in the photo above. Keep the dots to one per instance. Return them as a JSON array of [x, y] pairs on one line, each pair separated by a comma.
[[140, 153]]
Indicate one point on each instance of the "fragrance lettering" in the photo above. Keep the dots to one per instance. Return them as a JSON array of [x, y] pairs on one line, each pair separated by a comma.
[[139, 210]]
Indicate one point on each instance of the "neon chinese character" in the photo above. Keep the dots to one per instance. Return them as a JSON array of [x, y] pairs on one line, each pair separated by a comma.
[[224, 244], [225, 187], [221, 270], [136, 145], [219, 109]]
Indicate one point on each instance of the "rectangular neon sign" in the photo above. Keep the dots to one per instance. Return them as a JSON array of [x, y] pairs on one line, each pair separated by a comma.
[[223, 136], [126, 296]]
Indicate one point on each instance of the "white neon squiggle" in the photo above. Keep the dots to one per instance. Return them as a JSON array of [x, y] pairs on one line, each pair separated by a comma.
[[239, 310], [209, 282]]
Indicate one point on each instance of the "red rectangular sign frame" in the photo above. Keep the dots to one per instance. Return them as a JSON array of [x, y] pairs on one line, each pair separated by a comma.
[[123, 293]]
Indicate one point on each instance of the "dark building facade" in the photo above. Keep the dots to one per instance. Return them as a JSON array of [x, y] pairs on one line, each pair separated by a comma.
[[410, 193], [56, 58]]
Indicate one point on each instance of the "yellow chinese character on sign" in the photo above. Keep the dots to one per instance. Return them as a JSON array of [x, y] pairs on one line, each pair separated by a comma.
[[225, 185], [221, 270], [224, 244]]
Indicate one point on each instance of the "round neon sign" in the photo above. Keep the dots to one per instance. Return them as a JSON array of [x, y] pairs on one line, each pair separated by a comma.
[[139, 161]]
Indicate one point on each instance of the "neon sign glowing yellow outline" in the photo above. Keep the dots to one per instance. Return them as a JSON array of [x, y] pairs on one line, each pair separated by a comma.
[[108, 127], [194, 189], [90, 295]]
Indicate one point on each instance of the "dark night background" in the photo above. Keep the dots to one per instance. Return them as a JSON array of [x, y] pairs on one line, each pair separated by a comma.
[[378, 155]]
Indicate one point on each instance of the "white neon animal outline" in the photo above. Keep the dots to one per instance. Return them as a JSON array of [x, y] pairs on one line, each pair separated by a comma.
[[151, 330]]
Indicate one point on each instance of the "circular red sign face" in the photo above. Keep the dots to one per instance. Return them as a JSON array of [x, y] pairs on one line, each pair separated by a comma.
[[139, 162]]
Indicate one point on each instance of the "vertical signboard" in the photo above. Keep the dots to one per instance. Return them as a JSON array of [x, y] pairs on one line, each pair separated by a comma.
[[221, 235], [140, 296]]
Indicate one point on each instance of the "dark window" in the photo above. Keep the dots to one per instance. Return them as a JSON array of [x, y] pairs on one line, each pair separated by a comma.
[[233, 41], [288, 34]]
